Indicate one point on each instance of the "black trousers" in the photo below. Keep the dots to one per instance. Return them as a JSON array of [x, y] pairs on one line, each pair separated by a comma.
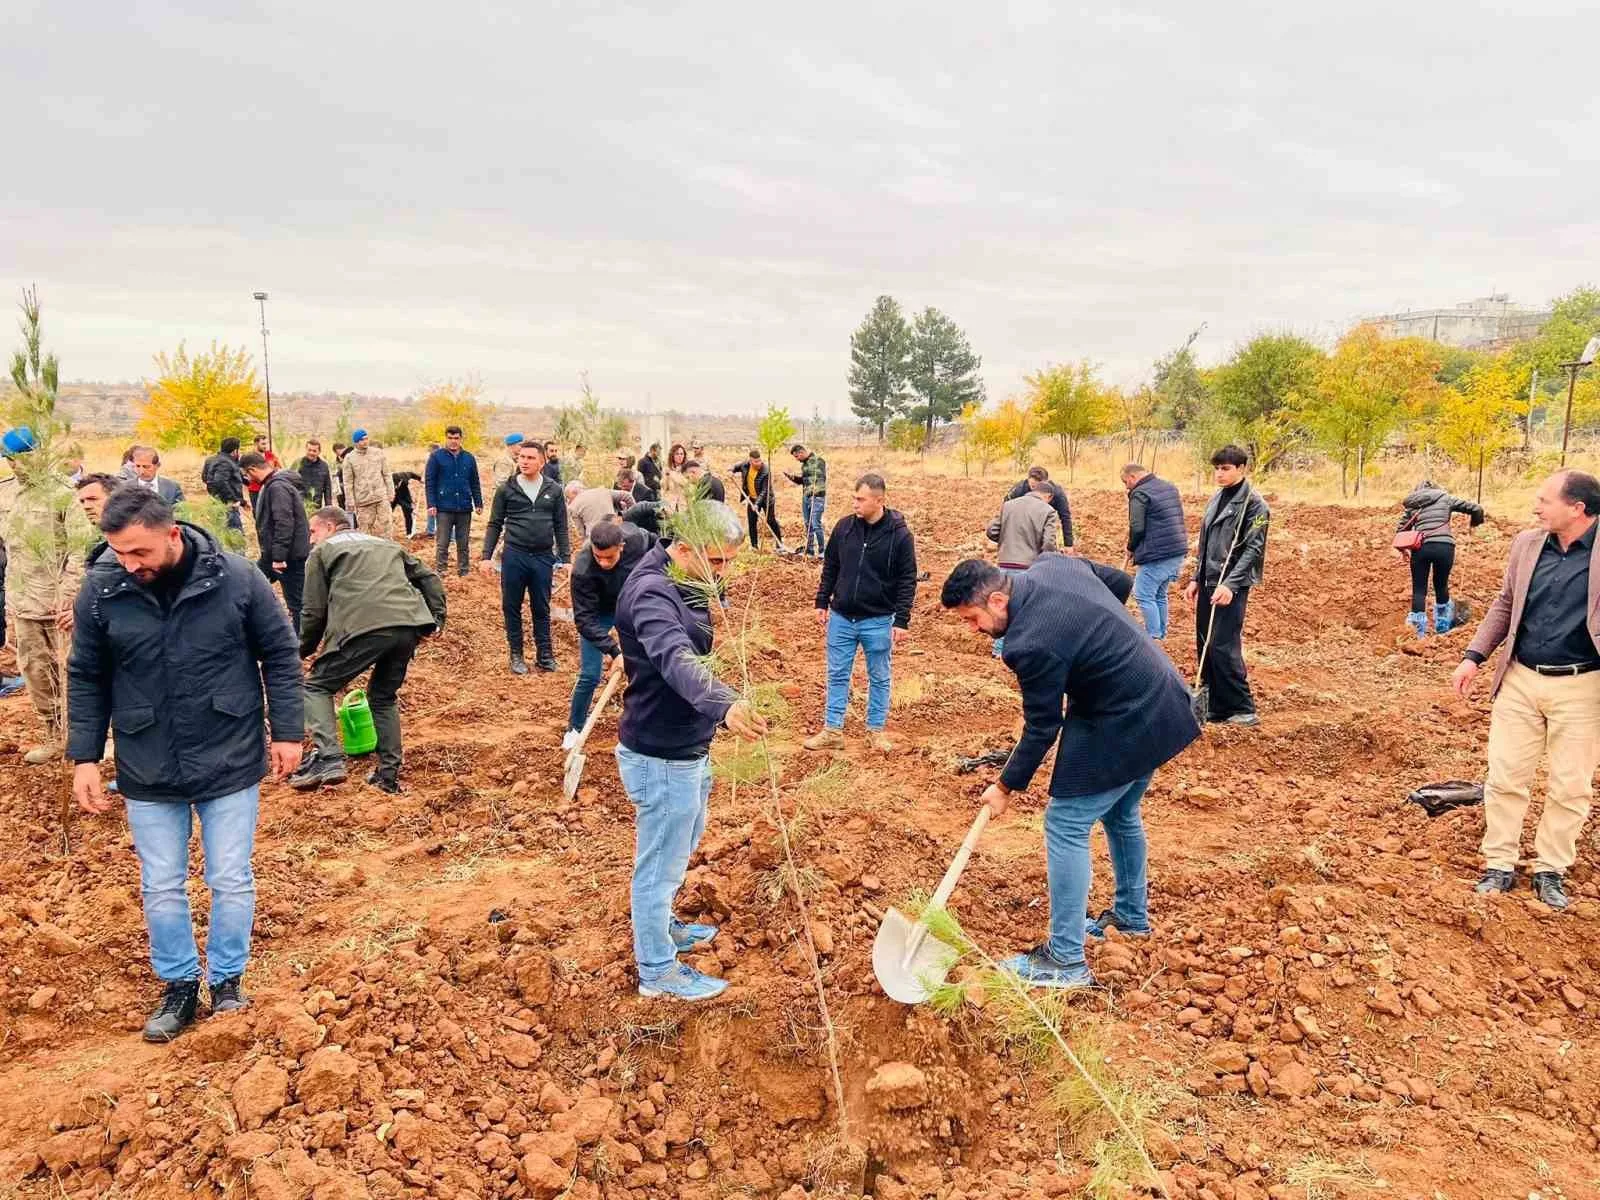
[[409, 512], [388, 652], [1223, 672], [523, 572], [448, 525], [293, 581], [755, 515], [1437, 557]]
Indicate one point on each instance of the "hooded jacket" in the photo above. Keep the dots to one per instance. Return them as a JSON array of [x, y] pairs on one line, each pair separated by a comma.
[[317, 481], [870, 570], [183, 686], [534, 527], [223, 478], [595, 590], [1430, 507], [282, 528]]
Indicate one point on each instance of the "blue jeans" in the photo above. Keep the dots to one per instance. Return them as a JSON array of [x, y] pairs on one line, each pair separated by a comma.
[[433, 524], [235, 521], [523, 571], [811, 513], [591, 665], [670, 800], [1067, 822], [1150, 584], [875, 636], [161, 839]]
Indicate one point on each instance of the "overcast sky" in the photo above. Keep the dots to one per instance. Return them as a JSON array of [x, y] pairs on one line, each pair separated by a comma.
[[699, 202]]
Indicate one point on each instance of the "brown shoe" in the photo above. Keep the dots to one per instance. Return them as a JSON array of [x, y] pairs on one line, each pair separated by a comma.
[[40, 755], [827, 739], [881, 741]]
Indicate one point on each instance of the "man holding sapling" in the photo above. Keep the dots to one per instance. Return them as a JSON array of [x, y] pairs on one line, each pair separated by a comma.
[[671, 710], [1127, 712]]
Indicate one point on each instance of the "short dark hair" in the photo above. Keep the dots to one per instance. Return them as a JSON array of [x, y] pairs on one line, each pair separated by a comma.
[[1132, 469], [1230, 456], [796, 448], [135, 506], [1038, 473], [229, 445], [109, 482], [1042, 487], [531, 445], [874, 481], [261, 437], [135, 451], [607, 535], [972, 582], [313, 442], [628, 474], [693, 462], [453, 431], [254, 459], [1579, 487], [337, 517], [755, 452]]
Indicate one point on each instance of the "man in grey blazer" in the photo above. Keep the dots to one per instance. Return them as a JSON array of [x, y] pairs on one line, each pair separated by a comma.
[[147, 474]]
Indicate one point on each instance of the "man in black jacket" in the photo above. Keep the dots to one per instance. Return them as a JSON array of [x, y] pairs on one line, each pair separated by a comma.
[[174, 642], [869, 579], [315, 476], [403, 499], [1058, 499], [1127, 713], [650, 470], [707, 485], [598, 573], [533, 513], [1233, 545], [225, 481], [755, 490], [282, 530]]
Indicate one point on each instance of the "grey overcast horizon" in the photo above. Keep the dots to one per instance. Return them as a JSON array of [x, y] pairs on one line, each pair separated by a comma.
[[699, 202]]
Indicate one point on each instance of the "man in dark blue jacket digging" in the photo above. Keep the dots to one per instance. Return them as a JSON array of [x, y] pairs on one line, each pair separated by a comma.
[[174, 641], [1127, 713], [672, 709]]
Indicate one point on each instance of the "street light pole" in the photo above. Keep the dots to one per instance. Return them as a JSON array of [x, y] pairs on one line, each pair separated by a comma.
[[266, 371]]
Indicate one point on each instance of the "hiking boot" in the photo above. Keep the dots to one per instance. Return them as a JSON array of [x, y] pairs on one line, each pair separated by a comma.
[[880, 741], [1444, 617], [228, 996], [827, 739], [546, 662], [1094, 928], [1418, 621], [39, 755], [1496, 880], [518, 665], [1038, 969], [686, 935], [683, 983], [317, 771], [384, 782], [1548, 890], [1247, 719], [176, 1011]]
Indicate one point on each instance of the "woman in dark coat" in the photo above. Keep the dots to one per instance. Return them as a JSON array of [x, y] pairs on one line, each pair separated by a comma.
[[1427, 510]]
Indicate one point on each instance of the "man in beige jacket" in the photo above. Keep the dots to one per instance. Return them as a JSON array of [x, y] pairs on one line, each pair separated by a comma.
[[1546, 687], [1026, 528], [367, 486]]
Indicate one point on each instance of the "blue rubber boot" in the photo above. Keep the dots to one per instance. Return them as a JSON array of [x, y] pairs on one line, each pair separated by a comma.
[[1444, 617], [1419, 622]]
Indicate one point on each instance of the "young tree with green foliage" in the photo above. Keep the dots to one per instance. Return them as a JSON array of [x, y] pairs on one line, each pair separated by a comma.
[[1364, 391], [775, 433], [1479, 419], [880, 351], [1260, 388], [943, 372], [1180, 389], [199, 399], [587, 424], [1072, 406]]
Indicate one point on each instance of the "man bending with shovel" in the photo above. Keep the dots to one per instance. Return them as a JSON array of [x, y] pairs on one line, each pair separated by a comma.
[[1127, 713]]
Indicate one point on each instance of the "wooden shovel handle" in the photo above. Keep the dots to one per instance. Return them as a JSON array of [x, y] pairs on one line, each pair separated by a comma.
[[959, 863], [614, 678]]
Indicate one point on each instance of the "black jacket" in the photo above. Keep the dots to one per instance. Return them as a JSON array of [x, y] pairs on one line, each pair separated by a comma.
[[763, 484], [595, 590], [1058, 501], [646, 514], [870, 570], [317, 481], [1236, 514], [1127, 708], [402, 487], [711, 489], [1155, 522], [533, 528], [1428, 509], [650, 469], [223, 478], [183, 687], [281, 525]]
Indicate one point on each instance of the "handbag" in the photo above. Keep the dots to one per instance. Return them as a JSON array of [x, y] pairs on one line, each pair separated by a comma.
[[1409, 537]]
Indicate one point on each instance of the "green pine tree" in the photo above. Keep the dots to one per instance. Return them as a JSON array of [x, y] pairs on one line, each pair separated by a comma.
[[943, 372], [880, 350]]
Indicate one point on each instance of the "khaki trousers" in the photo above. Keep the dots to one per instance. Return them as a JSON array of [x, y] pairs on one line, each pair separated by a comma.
[[1533, 715], [373, 518], [42, 651]]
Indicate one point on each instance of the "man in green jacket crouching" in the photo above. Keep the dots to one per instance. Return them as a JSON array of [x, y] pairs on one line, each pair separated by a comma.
[[367, 603]]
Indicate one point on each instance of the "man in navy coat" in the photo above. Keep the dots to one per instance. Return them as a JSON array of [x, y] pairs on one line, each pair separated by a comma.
[[1127, 713]]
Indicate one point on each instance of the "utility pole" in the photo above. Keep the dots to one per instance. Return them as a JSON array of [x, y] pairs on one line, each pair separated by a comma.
[[1527, 424], [266, 371]]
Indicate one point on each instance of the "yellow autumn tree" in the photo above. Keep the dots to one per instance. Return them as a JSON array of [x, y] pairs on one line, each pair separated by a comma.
[[455, 402], [1478, 419], [1011, 430], [197, 400], [1072, 405]]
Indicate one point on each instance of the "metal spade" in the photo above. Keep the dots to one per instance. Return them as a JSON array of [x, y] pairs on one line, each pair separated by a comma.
[[576, 757], [905, 959]]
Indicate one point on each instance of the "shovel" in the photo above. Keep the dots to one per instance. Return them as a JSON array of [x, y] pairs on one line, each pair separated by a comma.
[[576, 757], [904, 958]]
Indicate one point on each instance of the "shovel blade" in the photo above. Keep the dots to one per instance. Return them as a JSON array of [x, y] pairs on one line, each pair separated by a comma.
[[906, 980], [574, 773]]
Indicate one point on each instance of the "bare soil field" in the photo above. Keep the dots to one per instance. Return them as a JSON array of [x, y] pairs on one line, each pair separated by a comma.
[[443, 994]]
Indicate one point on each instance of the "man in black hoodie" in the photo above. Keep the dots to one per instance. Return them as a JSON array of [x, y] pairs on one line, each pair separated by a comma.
[[869, 579], [282, 529], [598, 573]]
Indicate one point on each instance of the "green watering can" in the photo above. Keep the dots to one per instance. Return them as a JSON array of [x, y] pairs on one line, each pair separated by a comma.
[[356, 730]]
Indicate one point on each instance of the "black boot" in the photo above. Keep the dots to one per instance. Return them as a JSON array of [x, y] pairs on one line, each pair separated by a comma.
[[1547, 887], [176, 1012], [316, 771], [518, 665], [228, 996], [1495, 880], [384, 782], [546, 660]]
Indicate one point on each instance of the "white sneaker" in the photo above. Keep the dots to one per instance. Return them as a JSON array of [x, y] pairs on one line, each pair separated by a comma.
[[570, 739]]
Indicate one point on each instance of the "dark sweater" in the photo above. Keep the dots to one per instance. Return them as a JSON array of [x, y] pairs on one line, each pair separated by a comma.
[[673, 705], [282, 529], [1155, 522], [870, 570], [595, 590], [532, 528], [318, 481], [1127, 708]]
